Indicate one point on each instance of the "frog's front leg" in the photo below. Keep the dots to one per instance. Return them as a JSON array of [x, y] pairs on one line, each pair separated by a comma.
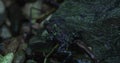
[[62, 50]]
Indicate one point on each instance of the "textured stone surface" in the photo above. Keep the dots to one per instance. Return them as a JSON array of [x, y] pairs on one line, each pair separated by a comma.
[[2, 10], [99, 21]]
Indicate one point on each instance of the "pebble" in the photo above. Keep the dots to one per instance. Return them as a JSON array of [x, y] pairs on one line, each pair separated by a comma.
[[2, 7], [2, 11]]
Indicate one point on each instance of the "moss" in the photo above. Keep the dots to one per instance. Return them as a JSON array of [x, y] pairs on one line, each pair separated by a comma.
[[7, 58]]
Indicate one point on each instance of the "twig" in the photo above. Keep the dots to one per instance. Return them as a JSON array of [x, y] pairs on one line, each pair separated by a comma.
[[44, 16], [45, 60], [87, 50]]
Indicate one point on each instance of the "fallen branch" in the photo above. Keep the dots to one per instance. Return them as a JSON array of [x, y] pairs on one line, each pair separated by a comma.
[[87, 50], [45, 60]]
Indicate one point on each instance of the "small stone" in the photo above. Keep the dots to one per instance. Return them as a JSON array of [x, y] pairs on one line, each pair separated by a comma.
[[19, 57], [31, 61], [2, 7], [2, 12]]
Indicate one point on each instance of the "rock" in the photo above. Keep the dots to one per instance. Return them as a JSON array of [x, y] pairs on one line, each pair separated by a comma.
[[20, 54], [12, 45], [2, 12], [32, 8], [2, 7], [31, 61], [19, 57], [5, 33], [7, 58]]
